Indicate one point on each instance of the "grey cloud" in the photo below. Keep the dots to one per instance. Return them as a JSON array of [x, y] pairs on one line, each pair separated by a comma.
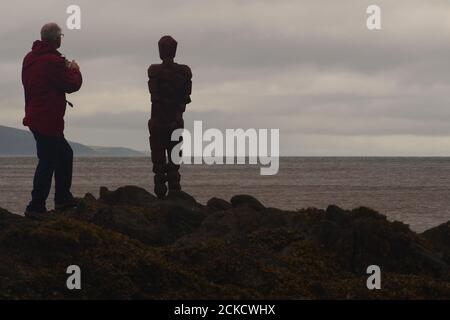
[[291, 45]]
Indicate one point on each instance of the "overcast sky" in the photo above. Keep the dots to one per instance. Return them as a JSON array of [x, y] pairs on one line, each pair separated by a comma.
[[310, 68]]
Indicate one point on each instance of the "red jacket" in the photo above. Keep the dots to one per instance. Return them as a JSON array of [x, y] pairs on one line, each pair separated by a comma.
[[46, 80]]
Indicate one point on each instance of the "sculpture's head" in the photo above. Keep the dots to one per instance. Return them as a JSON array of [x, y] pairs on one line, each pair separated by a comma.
[[167, 48]]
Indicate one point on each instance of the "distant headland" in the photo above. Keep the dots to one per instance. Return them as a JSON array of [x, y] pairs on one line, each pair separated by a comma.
[[20, 143]]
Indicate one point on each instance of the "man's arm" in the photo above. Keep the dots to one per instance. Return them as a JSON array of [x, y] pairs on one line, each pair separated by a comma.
[[67, 79], [153, 83], [189, 84]]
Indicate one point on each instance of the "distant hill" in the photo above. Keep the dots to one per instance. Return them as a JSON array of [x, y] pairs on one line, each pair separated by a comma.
[[16, 142]]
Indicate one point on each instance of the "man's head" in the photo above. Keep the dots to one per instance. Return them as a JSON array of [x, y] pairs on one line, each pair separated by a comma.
[[167, 48], [52, 33]]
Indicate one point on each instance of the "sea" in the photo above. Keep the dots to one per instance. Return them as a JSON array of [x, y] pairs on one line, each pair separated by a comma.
[[415, 190]]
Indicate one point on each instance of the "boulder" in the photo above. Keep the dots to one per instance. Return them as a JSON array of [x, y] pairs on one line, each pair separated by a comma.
[[216, 204], [439, 238], [247, 201], [128, 195]]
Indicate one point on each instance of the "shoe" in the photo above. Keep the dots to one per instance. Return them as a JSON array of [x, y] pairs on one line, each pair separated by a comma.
[[69, 204], [160, 190], [173, 179], [35, 214], [160, 185]]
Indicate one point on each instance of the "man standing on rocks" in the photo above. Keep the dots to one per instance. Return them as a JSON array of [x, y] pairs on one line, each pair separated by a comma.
[[170, 86], [47, 76]]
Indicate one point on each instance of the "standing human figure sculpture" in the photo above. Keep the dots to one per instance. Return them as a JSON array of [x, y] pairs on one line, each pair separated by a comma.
[[170, 86]]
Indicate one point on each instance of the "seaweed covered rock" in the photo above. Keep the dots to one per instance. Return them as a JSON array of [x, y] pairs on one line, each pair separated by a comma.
[[439, 238], [129, 195], [216, 204], [362, 237], [131, 245], [247, 201], [151, 221]]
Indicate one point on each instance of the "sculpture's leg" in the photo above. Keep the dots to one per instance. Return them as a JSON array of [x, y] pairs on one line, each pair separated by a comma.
[[158, 152], [173, 175]]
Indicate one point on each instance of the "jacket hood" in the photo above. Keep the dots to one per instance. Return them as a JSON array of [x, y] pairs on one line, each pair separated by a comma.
[[41, 47]]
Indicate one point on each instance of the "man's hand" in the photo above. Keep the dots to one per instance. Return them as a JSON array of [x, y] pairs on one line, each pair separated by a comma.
[[74, 65]]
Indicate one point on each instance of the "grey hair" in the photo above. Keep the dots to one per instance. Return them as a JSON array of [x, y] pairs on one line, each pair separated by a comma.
[[50, 32]]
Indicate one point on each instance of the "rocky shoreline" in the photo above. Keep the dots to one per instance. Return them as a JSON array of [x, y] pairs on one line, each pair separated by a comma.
[[130, 245]]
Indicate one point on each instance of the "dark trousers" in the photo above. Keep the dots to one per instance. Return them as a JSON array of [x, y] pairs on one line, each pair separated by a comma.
[[55, 156], [161, 146]]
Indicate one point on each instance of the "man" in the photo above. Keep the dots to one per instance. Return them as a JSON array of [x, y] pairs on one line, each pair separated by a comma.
[[170, 87], [47, 76]]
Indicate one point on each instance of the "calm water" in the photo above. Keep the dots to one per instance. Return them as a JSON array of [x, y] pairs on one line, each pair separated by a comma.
[[412, 190]]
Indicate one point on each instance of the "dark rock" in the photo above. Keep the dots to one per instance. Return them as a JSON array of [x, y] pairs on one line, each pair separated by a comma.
[[154, 226], [35, 258], [90, 198], [439, 238], [129, 195], [337, 214], [216, 204], [132, 246], [182, 198], [368, 238], [247, 200], [7, 219], [237, 224], [141, 216], [366, 213]]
